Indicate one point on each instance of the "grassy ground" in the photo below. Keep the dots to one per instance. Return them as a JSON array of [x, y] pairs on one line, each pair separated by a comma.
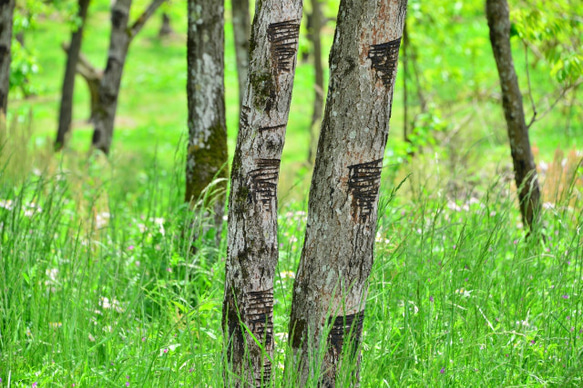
[[98, 287]]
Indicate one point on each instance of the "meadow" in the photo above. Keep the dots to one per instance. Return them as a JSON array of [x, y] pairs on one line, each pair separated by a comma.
[[99, 287]]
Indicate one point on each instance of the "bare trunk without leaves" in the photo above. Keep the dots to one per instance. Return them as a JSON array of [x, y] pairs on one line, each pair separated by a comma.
[[524, 167], [317, 24], [120, 39], [252, 238], [241, 30], [66, 110], [93, 78], [6, 19], [206, 157], [330, 290], [166, 28]]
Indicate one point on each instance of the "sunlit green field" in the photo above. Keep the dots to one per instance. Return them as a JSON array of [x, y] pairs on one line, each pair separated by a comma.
[[98, 286]]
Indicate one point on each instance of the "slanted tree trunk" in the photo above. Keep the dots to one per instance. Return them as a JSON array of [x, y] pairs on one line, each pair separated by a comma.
[[166, 28], [120, 39], [252, 238], [6, 19], [66, 111], [93, 78], [317, 24], [524, 167], [330, 290], [241, 30], [206, 157]]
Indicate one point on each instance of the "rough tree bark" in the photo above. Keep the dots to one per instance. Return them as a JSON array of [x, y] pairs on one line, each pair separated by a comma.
[[120, 39], [66, 110], [331, 284], [6, 19], [524, 167], [252, 238], [241, 30], [206, 156], [317, 24]]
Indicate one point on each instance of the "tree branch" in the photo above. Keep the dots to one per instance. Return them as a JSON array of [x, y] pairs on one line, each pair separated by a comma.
[[139, 23]]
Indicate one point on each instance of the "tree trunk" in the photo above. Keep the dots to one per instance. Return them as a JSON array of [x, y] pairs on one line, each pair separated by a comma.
[[331, 284], [317, 24], [252, 238], [6, 19], [165, 28], [206, 157], [405, 91], [241, 30], [66, 111], [93, 78], [120, 39], [111, 81], [524, 167]]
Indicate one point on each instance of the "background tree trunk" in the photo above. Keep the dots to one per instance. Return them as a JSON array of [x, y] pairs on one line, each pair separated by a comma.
[[241, 30], [524, 167], [66, 111], [206, 157], [111, 81], [317, 24], [6, 19], [166, 27], [121, 37], [253, 251], [331, 284]]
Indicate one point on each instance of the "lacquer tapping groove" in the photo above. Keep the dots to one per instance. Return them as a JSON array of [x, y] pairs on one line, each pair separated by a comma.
[[284, 37], [363, 184], [264, 181], [384, 58]]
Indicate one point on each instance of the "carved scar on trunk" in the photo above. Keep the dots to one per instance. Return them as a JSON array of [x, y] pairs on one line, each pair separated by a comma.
[[363, 184], [342, 327], [272, 128], [260, 306], [384, 58], [244, 121], [284, 37], [264, 181]]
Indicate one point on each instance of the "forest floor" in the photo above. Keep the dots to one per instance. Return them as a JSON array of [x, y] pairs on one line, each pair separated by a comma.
[[98, 286]]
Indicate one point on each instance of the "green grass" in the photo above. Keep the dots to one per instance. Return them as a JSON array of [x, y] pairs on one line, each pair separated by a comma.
[[98, 286]]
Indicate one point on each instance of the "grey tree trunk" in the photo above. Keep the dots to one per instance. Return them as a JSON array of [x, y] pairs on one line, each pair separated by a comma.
[[524, 167], [93, 78], [66, 111], [166, 28], [330, 290], [317, 24], [120, 39], [241, 30], [206, 157], [252, 238], [6, 19]]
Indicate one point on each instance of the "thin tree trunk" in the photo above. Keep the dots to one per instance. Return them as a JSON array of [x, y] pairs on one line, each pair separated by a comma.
[[206, 157], [405, 91], [66, 111], [252, 238], [524, 167], [241, 30], [6, 19], [166, 27], [120, 39], [93, 78], [317, 24], [330, 290]]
